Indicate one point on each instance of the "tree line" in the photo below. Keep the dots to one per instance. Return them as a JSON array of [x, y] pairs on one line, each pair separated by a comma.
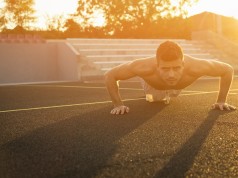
[[123, 19]]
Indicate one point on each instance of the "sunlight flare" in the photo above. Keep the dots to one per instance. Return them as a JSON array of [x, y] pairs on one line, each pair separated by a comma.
[[222, 7], [52, 8]]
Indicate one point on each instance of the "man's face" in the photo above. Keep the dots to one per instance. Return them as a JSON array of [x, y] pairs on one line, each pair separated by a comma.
[[171, 71]]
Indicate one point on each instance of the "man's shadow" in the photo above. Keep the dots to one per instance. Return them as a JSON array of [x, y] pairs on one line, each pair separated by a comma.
[[183, 160], [78, 146]]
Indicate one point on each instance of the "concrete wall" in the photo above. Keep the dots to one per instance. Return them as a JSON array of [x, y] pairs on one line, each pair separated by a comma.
[[68, 61], [37, 62]]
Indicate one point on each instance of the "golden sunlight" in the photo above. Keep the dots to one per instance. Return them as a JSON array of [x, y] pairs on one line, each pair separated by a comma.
[[222, 7], [53, 8], [98, 19], [63, 8]]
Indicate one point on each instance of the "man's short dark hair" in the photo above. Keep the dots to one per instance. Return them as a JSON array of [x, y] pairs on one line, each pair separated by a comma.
[[169, 51]]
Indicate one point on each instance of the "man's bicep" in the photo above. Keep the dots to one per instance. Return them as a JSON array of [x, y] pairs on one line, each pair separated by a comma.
[[214, 68]]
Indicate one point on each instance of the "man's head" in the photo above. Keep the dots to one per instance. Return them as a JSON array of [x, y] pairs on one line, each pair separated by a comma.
[[170, 62]]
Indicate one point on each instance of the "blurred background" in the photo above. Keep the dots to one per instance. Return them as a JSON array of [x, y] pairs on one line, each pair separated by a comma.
[[78, 39], [119, 19]]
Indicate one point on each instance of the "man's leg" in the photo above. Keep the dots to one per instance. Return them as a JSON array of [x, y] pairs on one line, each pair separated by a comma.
[[153, 95]]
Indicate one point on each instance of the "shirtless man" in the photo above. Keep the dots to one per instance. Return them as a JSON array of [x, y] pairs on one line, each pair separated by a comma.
[[165, 74]]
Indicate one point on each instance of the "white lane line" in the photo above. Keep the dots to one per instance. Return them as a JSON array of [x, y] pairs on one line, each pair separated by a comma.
[[198, 93], [93, 103], [84, 87], [89, 87], [233, 93], [62, 106], [131, 81], [64, 86], [209, 92], [136, 80], [124, 81]]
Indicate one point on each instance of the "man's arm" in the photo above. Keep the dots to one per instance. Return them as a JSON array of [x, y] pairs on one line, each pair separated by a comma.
[[225, 83], [225, 72], [121, 72]]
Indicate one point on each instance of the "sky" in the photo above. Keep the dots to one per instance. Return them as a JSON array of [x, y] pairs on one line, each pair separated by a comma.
[[60, 7], [56, 7], [53, 8], [223, 7], [64, 7]]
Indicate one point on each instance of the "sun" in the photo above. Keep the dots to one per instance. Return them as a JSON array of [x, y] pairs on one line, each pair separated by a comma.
[[53, 8], [46, 8]]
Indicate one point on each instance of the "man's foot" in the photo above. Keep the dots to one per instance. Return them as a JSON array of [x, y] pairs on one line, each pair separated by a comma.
[[167, 98], [150, 98]]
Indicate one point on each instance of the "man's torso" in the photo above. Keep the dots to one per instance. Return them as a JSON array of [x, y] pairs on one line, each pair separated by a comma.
[[151, 76]]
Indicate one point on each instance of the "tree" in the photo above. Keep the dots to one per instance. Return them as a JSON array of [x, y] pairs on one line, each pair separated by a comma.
[[20, 12], [124, 15], [2, 20], [2, 16], [55, 23], [72, 28]]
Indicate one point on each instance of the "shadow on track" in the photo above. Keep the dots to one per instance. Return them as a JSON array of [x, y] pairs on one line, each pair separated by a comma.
[[78, 146], [182, 161]]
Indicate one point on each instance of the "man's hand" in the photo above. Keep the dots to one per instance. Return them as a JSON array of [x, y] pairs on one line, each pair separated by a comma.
[[223, 106], [120, 110]]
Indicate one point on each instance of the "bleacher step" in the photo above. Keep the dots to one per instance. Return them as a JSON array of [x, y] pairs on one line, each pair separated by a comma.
[[108, 53]]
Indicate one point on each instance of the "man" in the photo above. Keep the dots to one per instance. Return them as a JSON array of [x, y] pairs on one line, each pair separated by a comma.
[[166, 74]]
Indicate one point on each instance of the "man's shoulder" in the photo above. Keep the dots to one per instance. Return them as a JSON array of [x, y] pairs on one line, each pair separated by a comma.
[[144, 66], [194, 66], [200, 67], [146, 60], [198, 63], [190, 59]]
